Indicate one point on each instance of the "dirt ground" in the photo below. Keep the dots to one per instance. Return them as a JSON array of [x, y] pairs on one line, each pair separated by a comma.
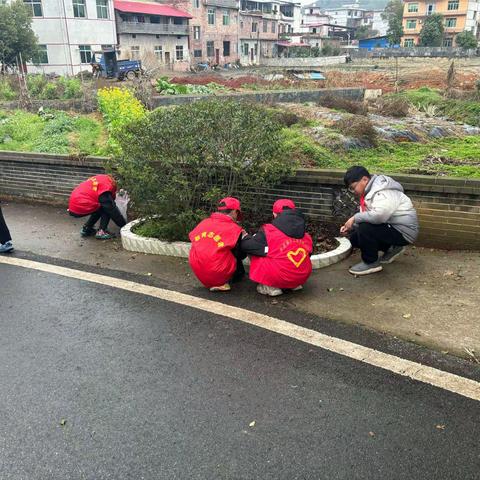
[[411, 73]]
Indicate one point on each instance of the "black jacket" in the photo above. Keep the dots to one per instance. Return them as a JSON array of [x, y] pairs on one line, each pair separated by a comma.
[[290, 222]]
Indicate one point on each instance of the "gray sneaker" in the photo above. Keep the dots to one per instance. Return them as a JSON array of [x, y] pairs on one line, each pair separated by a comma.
[[6, 247], [392, 253], [267, 290], [363, 268]]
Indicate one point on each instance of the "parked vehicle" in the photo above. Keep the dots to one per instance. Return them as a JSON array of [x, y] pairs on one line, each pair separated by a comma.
[[108, 66]]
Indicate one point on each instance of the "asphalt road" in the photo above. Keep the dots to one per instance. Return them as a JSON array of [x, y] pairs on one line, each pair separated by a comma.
[[98, 383]]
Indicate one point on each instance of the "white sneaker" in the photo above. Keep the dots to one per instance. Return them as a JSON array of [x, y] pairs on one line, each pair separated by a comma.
[[267, 290], [296, 289]]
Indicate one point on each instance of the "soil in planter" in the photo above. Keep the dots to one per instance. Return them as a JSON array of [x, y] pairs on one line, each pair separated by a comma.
[[323, 233]]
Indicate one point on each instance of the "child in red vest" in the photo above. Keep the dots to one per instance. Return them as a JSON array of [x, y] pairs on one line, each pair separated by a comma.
[[215, 255], [96, 197], [280, 251]]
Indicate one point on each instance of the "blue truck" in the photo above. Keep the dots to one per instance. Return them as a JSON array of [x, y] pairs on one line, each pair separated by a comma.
[[105, 64]]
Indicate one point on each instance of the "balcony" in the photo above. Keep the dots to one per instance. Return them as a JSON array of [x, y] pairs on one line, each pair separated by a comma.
[[152, 28], [221, 3]]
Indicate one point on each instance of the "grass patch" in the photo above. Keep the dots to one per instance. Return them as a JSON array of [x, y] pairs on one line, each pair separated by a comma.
[[388, 157], [52, 132]]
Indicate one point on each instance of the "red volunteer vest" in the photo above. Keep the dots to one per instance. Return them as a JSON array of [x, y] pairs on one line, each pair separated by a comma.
[[84, 198], [287, 264], [211, 257]]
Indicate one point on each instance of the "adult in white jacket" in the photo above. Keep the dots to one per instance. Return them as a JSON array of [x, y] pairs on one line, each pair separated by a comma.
[[386, 222]]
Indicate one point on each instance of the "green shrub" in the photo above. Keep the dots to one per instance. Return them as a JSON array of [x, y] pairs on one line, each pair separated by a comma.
[[71, 87], [6, 91], [177, 162], [49, 92], [36, 84]]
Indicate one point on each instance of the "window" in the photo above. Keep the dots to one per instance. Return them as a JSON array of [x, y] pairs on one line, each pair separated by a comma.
[[451, 22], [411, 24], [452, 5], [408, 42], [196, 3], [196, 33], [79, 9], [35, 6], [197, 53], [179, 52], [226, 17], [412, 7], [265, 26], [241, 25], [273, 27], [245, 48], [210, 49], [102, 8], [135, 52], [226, 49], [430, 9], [254, 27], [158, 51], [85, 53], [447, 42], [211, 16], [41, 56]]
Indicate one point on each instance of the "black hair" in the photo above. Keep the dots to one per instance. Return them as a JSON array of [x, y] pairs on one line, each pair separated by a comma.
[[226, 211], [354, 174]]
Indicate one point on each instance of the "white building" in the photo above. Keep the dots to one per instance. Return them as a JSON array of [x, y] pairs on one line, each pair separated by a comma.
[[347, 15], [69, 31]]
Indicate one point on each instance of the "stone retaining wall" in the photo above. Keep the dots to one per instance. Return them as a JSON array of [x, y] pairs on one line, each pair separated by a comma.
[[448, 208]]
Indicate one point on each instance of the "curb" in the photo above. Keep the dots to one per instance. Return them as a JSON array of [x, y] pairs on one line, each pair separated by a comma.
[[135, 243]]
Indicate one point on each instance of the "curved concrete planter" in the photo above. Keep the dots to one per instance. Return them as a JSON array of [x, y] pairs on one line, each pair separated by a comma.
[[136, 243]]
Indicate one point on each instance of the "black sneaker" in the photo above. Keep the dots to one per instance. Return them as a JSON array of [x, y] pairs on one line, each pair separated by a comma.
[[87, 232]]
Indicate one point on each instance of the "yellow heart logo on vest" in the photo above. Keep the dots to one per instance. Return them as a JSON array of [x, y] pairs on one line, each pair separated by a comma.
[[297, 257]]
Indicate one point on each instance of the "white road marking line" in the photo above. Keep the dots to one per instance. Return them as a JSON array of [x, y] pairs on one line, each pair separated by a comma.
[[438, 378]]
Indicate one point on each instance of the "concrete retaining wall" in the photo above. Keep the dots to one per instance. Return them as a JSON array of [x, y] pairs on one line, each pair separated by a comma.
[[413, 52], [270, 97], [448, 208], [302, 62]]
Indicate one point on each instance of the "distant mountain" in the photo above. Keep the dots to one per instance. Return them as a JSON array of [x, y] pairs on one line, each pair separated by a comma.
[[329, 4]]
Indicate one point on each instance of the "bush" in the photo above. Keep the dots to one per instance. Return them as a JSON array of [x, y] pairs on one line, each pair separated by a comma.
[[358, 127], [340, 103], [178, 162], [69, 88], [393, 106], [6, 91]]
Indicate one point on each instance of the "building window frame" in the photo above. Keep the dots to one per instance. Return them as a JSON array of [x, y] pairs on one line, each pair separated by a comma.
[[411, 24], [211, 16], [226, 18], [451, 22], [102, 9], [412, 8], [158, 52], [246, 49], [35, 6], [227, 48], [408, 42], [447, 42], [179, 56], [85, 53], [254, 27], [274, 27], [41, 57], [453, 5], [135, 52], [79, 8], [197, 53], [210, 48], [196, 32]]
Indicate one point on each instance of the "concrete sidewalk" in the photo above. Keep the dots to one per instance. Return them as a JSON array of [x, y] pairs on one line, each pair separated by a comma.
[[430, 297]]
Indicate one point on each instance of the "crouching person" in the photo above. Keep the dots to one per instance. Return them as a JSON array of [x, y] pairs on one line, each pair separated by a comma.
[[215, 255], [387, 220], [280, 251], [96, 197]]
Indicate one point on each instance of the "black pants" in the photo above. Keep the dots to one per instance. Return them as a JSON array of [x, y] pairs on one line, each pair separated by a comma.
[[4, 232], [239, 255], [371, 239], [108, 210]]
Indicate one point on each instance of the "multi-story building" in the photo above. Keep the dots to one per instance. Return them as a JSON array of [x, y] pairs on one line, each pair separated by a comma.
[[213, 30], [154, 33], [258, 32], [347, 15], [374, 20], [69, 31], [459, 15]]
